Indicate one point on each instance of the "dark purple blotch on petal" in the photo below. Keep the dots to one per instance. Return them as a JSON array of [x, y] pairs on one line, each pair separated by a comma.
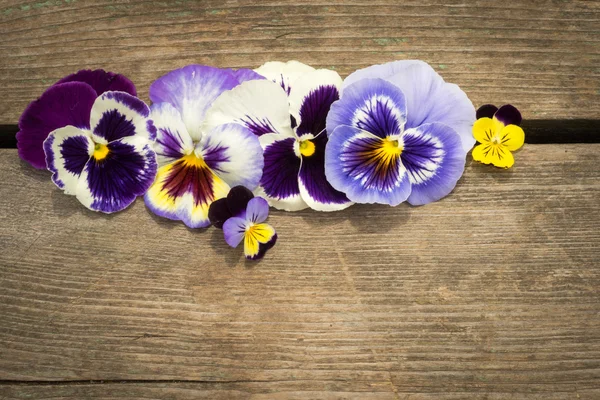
[[102, 81], [486, 111], [280, 173], [118, 179], [258, 126], [380, 118], [61, 105], [264, 247], [130, 102], [312, 176], [314, 109], [508, 115], [74, 151], [214, 156], [113, 126]]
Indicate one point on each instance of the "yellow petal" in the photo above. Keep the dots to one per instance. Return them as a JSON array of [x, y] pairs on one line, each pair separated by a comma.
[[483, 130], [512, 137], [493, 154], [255, 235]]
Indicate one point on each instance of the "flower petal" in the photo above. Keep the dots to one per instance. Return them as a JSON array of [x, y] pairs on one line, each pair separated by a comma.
[[61, 105], [234, 153], [102, 81], [434, 159], [184, 190], [116, 115], [243, 75], [284, 74], [372, 105], [365, 167], [486, 111], [257, 210], [484, 129], [497, 155], [428, 98], [192, 90], [259, 105], [311, 98], [279, 182], [237, 200], [67, 151], [314, 188], [234, 230], [112, 183], [508, 115], [512, 137], [172, 138], [258, 239]]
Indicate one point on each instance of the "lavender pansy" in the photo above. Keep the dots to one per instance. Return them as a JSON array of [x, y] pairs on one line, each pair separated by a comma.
[[398, 134], [242, 217], [67, 102], [198, 166], [288, 113], [109, 163]]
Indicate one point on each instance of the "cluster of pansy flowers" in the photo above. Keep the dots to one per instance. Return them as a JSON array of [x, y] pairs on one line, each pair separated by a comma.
[[219, 146]]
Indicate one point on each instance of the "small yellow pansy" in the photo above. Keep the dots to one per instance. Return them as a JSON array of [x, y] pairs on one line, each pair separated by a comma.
[[498, 135]]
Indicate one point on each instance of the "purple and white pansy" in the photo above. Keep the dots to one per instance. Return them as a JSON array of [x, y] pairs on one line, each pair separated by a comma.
[[109, 161], [198, 166], [68, 102], [287, 111], [399, 133]]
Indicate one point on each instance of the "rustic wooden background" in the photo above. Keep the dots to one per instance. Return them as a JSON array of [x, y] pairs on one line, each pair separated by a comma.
[[491, 293]]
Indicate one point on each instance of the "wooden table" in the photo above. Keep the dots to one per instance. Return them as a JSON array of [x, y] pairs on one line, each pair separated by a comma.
[[491, 293]]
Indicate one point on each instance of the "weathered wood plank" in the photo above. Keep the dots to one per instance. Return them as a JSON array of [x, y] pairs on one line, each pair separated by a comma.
[[491, 291], [542, 56]]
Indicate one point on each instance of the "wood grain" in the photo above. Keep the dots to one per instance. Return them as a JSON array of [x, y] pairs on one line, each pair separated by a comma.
[[542, 56], [490, 293]]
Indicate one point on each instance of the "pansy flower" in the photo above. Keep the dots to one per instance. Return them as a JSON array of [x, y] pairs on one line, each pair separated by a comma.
[[498, 131], [398, 133], [68, 102], [288, 113], [242, 217], [198, 166], [109, 164]]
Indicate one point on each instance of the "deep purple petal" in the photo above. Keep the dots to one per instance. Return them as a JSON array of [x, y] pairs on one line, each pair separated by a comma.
[[281, 167], [356, 164], [314, 110], [486, 111], [237, 200], [233, 231], [102, 81], [257, 210], [112, 183], [372, 105], [508, 115], [316, 191], [434, 159], [59, 106], [67, 151], [218, 213], [116, 115], [192, 90]]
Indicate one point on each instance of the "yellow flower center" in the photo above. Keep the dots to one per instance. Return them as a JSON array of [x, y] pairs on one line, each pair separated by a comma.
[[496, 140], [192, 160], [100, 151], [307, 148], [391, 147]]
